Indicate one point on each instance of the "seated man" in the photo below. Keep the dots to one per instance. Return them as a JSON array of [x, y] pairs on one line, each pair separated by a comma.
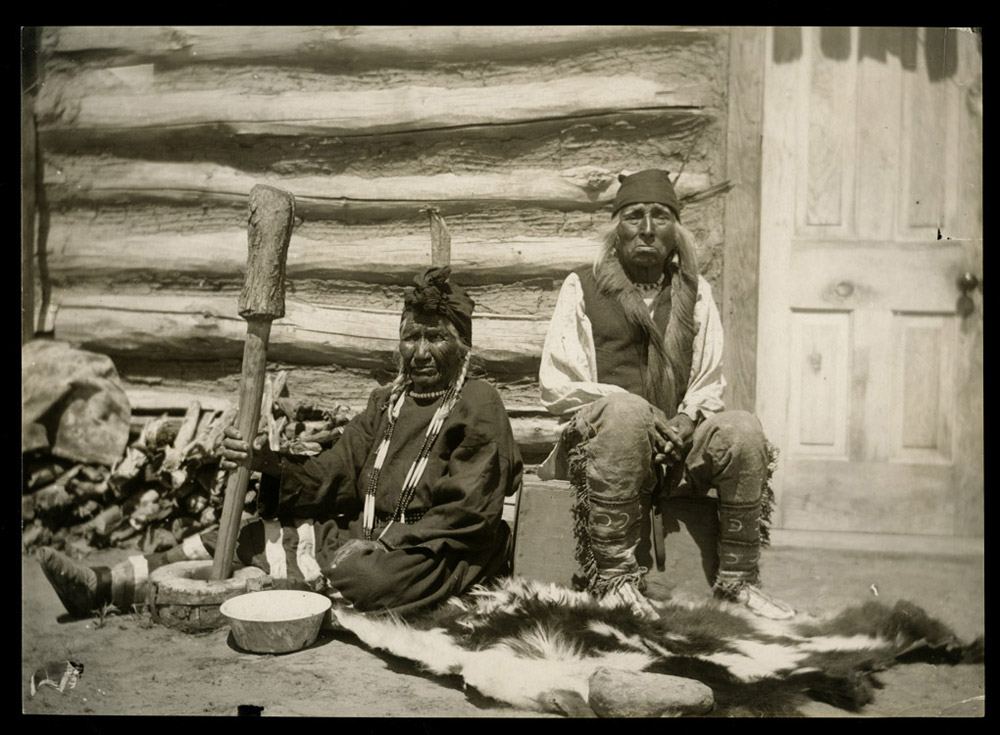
[[403, 511], [633, 358]]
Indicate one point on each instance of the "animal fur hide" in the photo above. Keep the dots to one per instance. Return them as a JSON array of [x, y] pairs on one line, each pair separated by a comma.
[[535, 646]]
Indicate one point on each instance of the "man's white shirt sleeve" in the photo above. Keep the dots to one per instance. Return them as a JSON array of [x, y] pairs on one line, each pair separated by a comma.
[[706, 384], [568, 372]]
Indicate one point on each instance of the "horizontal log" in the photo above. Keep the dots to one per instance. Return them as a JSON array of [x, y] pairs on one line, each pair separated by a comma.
[[208, 328], [320, 386], [150, 400], [354, 112], [586, 187], [176, 401], [74, 254], [501, 243], [662, 137], [347, 44]]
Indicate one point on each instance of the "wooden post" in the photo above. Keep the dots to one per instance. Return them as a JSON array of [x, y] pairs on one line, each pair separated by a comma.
[[741, 259], [29, 79], [440, 239], [261, 301]]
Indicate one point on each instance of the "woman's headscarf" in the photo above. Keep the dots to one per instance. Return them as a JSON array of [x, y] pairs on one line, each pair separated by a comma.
[[434, 293]]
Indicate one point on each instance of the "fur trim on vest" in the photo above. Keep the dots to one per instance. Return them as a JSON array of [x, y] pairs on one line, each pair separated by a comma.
[[667, 367]]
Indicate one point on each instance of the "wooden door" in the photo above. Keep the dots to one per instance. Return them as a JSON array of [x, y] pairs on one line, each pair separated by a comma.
[[869, 375]]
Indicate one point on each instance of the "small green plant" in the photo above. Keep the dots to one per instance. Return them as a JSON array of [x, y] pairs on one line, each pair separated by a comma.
[[101, 614]]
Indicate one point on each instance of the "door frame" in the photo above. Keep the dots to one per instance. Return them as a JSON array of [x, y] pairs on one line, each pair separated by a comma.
[[748, 48], [741, 254]]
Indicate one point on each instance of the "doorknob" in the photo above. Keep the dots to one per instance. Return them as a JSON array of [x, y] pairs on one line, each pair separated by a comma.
[[967, 283]]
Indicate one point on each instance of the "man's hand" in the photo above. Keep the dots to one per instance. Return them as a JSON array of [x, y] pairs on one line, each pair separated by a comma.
[[674, 437]]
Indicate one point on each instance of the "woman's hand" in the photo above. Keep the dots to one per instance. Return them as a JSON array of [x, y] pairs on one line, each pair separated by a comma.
[[234, 449], [356, 546]]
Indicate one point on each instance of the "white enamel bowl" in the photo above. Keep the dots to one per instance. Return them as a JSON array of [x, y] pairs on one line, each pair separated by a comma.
[[275, 621]]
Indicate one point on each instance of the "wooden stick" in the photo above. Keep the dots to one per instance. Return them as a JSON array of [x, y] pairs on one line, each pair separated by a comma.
[[29, 186], [175, 455], [262, 300], [276, 426], [440, 239], [266, 407], [251, 392], [278, 381], [215, 432]]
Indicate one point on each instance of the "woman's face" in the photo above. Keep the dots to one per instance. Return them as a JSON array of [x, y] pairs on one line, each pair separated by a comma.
[[430, 349]]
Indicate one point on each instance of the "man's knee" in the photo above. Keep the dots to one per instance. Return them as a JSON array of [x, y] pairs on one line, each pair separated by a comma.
[[616, 436], [626, 405], [736, 430], [621, 412]]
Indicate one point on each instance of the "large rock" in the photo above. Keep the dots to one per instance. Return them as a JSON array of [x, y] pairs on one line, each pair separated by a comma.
[[618, 693], [72, 403]]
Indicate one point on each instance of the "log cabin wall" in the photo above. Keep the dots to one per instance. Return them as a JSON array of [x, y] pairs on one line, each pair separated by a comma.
[[150, 139]]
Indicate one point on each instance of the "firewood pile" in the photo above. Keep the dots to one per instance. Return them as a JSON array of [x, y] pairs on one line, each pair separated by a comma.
[[168, 484]]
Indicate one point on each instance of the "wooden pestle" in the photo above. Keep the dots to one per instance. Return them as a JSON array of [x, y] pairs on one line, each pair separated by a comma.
[[269, 229]]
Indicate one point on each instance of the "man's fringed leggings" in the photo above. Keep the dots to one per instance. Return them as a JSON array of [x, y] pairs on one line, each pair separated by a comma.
[[609, 446], [609, 449]]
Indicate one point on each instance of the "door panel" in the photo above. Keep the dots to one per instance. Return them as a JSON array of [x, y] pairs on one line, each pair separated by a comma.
[[817, 416], [923, 348], [869, 379]]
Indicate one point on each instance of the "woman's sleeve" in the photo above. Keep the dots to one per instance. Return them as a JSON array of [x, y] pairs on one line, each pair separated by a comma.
[[327, 483], [468, 499]]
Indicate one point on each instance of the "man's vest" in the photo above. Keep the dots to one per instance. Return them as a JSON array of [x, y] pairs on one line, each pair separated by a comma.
[[620, 358]]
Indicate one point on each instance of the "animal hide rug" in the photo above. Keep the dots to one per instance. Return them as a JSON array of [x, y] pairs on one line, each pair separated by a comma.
[[535, 646]]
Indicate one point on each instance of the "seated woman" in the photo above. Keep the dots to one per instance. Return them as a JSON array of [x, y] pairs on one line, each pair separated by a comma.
[[402, 512]]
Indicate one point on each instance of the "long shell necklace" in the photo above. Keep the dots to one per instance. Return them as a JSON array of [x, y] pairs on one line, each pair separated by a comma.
[[419, 464]]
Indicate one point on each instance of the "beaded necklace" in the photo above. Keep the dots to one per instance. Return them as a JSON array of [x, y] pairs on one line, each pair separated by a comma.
[[433, 394], [419, 464], [650, 288]]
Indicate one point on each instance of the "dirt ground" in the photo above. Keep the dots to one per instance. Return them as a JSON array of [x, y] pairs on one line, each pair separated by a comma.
[[136, 667]]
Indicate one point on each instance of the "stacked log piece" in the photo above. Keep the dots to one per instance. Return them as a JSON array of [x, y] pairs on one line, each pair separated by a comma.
[[168, 483]]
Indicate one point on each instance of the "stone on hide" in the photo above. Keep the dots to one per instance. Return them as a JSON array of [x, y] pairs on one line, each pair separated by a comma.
[[618, 693]]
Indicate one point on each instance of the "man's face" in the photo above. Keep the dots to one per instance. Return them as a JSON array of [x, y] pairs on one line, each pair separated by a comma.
[[430, 349], [646, 235]]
